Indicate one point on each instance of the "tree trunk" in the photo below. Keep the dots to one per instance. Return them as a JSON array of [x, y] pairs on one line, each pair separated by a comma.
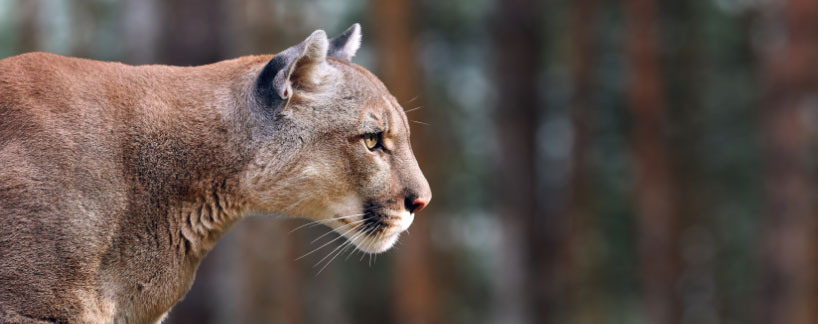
[[270, 275], [581, 262], [789, 254], [193, 32], [528, 249], [653, 196], [141, 30], [29, 37]]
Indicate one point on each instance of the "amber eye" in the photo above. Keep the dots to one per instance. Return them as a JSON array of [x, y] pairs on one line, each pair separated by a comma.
[[372, 140]]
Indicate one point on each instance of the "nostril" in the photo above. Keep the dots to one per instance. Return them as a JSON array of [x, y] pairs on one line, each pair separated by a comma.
[[415, 204]]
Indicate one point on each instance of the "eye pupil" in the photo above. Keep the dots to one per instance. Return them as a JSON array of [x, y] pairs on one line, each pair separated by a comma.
[[371, 140]]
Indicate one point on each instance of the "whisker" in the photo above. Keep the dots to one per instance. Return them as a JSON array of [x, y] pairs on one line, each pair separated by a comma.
[[380, 236], [351, 253], [294, 204], [338, 248], [369, 263], [322, 221], [344, 247], [366, 241], [410, 100], [340, 217], [325, 244], [422, 123], [339, 227], [341, 248], [331, 253], [351, 239], [308, 224], [413, 109], [364, 254], [349, 244]]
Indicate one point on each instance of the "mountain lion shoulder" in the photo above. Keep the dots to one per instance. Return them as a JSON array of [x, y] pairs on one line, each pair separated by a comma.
[[116, 180]]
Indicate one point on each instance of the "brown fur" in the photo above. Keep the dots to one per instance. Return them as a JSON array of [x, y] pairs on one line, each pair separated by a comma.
[[117, 180]]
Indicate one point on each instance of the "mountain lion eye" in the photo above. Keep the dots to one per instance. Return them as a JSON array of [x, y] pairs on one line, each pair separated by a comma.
[[372, 140]]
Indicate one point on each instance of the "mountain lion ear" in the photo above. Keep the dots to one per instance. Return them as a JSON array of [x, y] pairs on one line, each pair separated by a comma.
[[297, 65], [345, 46]]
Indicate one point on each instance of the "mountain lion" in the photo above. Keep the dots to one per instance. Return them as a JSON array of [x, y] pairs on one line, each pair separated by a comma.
[[116, 180]]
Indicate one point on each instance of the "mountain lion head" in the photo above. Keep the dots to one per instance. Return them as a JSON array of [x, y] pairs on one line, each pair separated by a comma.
[[334, 144]]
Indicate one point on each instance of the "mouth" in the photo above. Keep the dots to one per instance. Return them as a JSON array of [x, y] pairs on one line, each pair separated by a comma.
[[376, 230]]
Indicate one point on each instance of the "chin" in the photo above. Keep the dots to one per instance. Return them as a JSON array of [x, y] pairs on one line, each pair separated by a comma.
[[372, 245], [378, 230]]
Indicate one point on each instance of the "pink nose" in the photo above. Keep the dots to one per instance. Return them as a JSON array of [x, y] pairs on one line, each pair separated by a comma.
[[417, 205]]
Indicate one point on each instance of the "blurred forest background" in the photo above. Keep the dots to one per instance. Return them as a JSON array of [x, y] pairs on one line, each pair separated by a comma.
[[592, 161]]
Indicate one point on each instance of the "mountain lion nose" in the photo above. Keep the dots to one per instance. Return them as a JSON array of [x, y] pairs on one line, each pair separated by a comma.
[[415, 204]]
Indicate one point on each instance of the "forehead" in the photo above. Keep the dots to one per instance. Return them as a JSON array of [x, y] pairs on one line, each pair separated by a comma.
[[384, 115], [375, 101], [393, 113]]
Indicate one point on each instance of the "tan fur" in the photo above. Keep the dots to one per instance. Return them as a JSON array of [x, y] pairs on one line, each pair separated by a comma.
[[116, 180]]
